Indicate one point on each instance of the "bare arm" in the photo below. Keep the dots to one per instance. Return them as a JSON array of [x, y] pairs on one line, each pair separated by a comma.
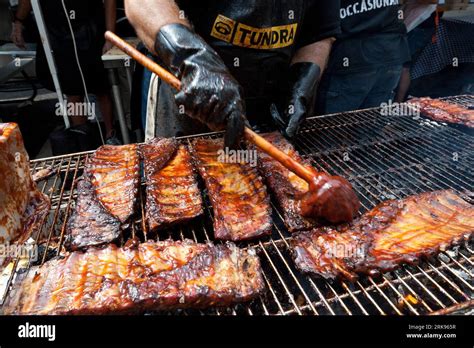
[[110, 14], [148, 16], [24, 9], [110, 7], [317, 53]]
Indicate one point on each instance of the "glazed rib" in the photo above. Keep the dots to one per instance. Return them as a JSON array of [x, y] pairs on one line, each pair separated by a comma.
[[238, 196], [151, 276], [22, 206], [114, 174], [106, 196], [90, 224], [393, 233], [285, 185], [172, 193], [440, 110]]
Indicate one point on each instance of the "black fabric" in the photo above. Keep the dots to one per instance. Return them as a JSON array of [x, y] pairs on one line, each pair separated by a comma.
[[431, 21], [209, 93], [88, 23], [81, 12], [453, 39], [359, 17], [372, 34], [261, 69]]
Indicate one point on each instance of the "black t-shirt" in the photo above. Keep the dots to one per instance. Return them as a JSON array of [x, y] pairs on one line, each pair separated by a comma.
[[87, 19], [373, 34], [80, 12], [257, 39]]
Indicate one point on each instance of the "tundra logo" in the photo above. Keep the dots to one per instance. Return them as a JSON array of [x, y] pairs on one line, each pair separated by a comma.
[[239, 34], [37, 331], [223, 28]]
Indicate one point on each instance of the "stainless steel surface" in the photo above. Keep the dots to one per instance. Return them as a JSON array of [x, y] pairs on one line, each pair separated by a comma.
[[113, 60], [43, 32], [14, 67], [384, 157]]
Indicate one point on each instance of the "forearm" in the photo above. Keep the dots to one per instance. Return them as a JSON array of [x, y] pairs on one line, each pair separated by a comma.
[[317, 53], [24, 9], [148, 16], [110, 14]]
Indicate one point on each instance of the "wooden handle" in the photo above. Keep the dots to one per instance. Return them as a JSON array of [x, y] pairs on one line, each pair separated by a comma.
[[164, 74], [172, 80], [288, 162]]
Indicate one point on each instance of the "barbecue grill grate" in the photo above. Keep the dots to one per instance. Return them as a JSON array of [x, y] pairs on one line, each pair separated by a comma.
[[385, 157]]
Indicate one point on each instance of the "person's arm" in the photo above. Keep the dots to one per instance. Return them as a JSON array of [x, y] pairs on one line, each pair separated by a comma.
[[110, 9], [209, 93], [149, 16], [24, 9], [320, 26], [317, 53]]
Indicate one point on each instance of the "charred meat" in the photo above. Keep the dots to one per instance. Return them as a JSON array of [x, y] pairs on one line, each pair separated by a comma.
[[106, 197], [172, 192], [114, 174], [393, 233], [90, 224], [238, 196], [440, 110], [287, 187], [151, 276]]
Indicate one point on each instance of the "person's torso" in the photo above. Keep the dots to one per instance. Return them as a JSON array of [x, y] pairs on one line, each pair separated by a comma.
[[83, 15], [373, 34], [256, 39], [359, 17]]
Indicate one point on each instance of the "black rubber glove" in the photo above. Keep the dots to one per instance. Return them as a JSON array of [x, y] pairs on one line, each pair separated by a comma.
[[303, 85], [208, 93]]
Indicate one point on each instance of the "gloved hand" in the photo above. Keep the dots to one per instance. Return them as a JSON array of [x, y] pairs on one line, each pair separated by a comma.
[[303, 85], [208, 93]]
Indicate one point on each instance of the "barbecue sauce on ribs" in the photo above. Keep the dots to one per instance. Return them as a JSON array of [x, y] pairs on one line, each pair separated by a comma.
[[150, 276], [393, 233], [172, 192], [238, 196], [306, 205]]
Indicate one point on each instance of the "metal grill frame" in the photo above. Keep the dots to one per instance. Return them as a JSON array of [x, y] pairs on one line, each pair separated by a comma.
[[378, 167]]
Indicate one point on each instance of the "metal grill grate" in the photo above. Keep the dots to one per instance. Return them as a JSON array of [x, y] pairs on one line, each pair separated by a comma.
[[385, 157]]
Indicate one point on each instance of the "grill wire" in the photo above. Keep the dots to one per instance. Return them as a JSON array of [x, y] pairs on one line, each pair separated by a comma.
[[384, 157]]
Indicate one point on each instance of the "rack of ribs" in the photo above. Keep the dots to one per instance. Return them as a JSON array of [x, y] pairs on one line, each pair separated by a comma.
[[138, 277], [285, 185], [393, 233], [172, 192], [22, 206], [238, 196], [114, 174], [440, 110], [107, 196], [90, 224]]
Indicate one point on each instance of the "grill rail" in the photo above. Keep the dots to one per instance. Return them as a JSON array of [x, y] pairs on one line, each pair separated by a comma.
[[384, 157]]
